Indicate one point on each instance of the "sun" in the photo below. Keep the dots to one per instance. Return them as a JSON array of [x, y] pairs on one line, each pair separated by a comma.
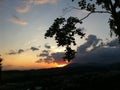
[[61, 65]]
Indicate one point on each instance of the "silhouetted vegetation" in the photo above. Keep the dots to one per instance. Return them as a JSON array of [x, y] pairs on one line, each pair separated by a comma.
[[64, 30], [0, 69], [75, 78]]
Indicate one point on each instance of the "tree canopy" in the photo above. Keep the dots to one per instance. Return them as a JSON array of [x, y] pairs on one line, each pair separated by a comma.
[[64, 30]]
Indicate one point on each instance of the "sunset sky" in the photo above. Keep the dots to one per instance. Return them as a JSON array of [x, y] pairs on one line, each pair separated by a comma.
[[23, 24]]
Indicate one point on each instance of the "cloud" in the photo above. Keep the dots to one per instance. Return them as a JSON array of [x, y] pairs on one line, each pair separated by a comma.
[[39, 61], [17, 20], [92, 51], [34, 48], [44, 1], [105, 54], [44, 53], [92, 42], [47, 46], [20, 51], [47, 59], [23, 9], [24, 6], [58, 57], [113, 43], [12, 52]]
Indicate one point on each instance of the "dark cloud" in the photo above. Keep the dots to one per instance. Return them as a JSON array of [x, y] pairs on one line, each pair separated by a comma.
[[47, 46], [101, 55], [47, 59], [20, 51], [50, 58], [34, 48], [58, 57], [12, 52], [39, 61], [105, 54], [114, 42], [44, 53]]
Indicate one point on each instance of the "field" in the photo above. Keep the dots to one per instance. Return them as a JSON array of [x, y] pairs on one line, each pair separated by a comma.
[[74, 78]]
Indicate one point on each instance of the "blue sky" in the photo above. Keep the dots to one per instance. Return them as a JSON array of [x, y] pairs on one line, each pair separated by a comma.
[[23, 24]]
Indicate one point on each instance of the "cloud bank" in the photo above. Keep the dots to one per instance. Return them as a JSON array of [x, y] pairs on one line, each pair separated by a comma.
[[100, 53], [92, 51]]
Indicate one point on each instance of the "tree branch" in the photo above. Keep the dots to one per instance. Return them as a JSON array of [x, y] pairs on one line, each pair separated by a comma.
[[94, 12], [72, 7]]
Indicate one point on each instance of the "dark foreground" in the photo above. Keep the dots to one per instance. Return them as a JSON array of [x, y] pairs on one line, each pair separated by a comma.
[[73, 78]]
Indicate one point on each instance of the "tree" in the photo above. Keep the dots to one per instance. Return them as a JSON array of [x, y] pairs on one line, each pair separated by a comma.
[[64, 30]]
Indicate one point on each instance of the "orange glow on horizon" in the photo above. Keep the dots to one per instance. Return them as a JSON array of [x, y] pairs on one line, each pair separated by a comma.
[[61, 65]]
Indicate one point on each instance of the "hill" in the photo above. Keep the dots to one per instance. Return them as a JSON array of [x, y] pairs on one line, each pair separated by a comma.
[[74, 76]]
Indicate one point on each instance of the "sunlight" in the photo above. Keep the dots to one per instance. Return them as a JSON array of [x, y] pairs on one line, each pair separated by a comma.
[[61, 65]]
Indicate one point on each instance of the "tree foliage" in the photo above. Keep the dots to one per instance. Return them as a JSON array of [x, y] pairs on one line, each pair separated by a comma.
[[64, 30]]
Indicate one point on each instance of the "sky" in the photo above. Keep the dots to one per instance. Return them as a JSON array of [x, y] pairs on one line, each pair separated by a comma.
[[23, 24]]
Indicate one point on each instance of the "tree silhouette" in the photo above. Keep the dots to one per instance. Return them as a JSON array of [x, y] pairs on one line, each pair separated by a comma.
[[64, 30], [0, 69]]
